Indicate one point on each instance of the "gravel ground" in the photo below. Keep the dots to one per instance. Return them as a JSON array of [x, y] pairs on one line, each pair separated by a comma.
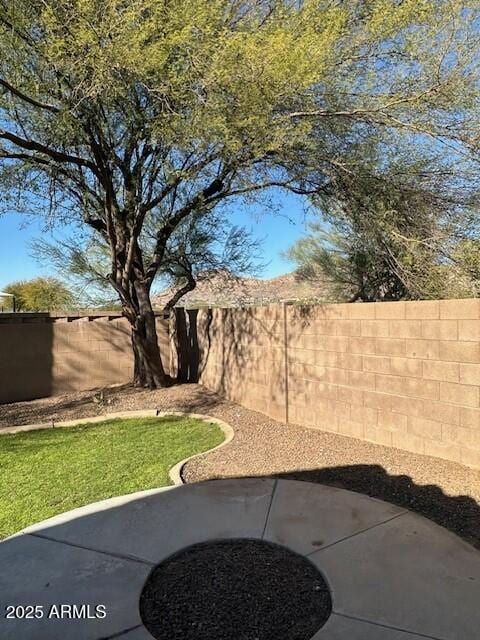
[[242, 589], [443, 491]]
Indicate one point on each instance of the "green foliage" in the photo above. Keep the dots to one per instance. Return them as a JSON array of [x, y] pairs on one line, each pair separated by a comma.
[[362, 262], [15, 289], [141, 116], [219, 68], [208, 242], [388, 241], [465, 257], [50, 471], [83, 260], [41, 294], [229, 83]]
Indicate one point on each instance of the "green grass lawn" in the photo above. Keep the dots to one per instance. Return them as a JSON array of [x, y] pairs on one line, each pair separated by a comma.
[[46, 472]]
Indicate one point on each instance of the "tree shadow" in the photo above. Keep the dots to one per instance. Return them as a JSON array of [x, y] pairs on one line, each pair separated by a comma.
[[85, 403], [224, 343], [216, 347], [187, 350], [459, 514], [113, 546]]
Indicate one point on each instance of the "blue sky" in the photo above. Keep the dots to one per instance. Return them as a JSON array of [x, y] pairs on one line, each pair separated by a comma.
[[279, 231]]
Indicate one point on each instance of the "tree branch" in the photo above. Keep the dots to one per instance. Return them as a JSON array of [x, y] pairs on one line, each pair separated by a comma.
[[32, 145], [169, 227], [25, 98], [188, 286]]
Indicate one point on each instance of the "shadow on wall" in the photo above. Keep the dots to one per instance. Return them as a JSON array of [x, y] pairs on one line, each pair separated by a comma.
[[245, 353], [26, 356], [187, 349], [239, 353], [230, 335], [46, 354]]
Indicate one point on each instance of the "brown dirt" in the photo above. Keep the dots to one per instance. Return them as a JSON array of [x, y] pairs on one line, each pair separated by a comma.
[[443, 491]]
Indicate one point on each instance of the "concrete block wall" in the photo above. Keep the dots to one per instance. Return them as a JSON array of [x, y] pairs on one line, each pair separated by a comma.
[[242, 356], [45, 355], [401, 374]]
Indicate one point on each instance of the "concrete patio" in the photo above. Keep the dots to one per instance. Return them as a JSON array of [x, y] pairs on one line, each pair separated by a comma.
[[393, 575]]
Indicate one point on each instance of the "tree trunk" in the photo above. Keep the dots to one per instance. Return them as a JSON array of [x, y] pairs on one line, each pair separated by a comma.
[[148, 369]]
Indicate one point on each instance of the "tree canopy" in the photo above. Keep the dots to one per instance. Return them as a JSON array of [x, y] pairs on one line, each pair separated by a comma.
[[382, 239], [41, 294], [127, 115], [199, 246]]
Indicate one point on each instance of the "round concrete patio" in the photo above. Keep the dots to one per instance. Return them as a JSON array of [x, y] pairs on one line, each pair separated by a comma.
[[392, 575]]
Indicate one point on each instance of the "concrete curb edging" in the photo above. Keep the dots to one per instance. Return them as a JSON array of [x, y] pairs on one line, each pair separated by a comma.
[[147, 413], [175, 473]]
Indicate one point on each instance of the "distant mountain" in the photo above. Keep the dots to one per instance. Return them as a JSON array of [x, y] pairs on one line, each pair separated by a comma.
[[222, 289]]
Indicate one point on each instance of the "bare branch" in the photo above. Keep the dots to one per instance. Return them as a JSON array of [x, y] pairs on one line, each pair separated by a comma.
[[179, 293], [203, 197], [25, 98], [32, 145]]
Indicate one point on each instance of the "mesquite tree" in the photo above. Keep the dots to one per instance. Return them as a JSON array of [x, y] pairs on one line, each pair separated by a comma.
[[201, 245], [123, 114]]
